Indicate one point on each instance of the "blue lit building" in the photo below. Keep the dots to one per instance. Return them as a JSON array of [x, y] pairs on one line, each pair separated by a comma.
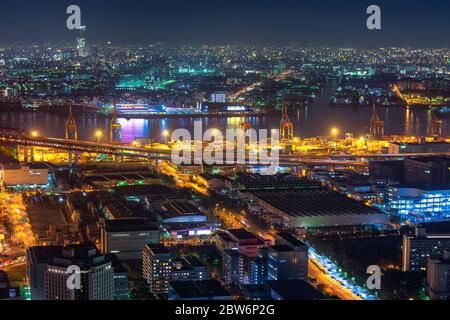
[[419, 202], [258, 271]]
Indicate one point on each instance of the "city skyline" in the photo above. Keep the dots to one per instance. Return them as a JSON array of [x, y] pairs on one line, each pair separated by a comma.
[[223, 150]]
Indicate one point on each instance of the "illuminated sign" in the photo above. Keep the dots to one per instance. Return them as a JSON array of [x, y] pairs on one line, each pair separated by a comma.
[[236, 108]]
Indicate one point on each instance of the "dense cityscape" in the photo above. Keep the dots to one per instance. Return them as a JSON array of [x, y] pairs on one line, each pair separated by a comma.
[[89, 185]]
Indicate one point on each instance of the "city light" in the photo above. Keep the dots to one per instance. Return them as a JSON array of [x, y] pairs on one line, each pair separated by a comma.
[[133, 153], [334, 132], [166, 134], [99, 135]]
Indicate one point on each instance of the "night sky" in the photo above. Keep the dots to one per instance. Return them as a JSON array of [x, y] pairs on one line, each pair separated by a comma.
[[259, 22]]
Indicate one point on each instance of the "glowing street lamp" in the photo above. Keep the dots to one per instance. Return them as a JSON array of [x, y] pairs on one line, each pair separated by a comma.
[[334, 132], [34, 133], [98, 134], [166, 135]]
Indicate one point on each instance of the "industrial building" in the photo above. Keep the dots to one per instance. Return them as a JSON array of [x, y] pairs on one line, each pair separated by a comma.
[[126, 238], [316, 207]]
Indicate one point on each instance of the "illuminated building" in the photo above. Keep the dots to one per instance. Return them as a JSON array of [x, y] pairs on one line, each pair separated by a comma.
[[418, 201], [429, 239], [157, 267], [438, 277], [180, 212], [218, 97], [233, 267], [257, 271], [47, 271]]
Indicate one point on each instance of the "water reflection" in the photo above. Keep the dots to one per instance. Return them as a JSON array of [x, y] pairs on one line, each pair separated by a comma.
[[314, 120]]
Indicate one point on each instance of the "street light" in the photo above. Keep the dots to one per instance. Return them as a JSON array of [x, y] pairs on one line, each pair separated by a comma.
[[34, 133], [98, 134], [166, 135], [334, 132]]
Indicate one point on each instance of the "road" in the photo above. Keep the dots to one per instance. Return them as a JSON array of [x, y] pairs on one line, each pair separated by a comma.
[[329, 283]]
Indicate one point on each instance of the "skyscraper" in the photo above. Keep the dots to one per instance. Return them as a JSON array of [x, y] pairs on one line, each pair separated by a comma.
[[48, 273]]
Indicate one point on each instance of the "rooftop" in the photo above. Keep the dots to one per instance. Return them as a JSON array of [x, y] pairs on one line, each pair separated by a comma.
[[146, 190], [198, 289], [131, 224], [313, 202]]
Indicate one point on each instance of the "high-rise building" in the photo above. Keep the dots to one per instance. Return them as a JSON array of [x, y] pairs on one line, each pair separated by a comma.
[[48, 273], [233, 267], [424, 243], [438, 277], [157, 267]]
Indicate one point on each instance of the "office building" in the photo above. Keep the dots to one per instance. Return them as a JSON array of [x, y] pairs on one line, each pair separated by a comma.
[[48, 273], [233, 267], [121, 286], [157, 267], [421, 201], [429, 239], [257, 271], [288, 259], [126, 238]]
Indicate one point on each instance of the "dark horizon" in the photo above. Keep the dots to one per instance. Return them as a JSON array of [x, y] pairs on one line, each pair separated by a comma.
[[326, 23]]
